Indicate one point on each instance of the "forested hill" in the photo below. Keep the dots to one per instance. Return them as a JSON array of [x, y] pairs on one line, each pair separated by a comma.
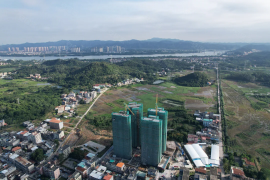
[[196, 79], [259, 59], [83, 74]]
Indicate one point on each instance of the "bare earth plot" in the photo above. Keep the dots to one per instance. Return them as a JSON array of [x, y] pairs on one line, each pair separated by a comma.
[[248, 129], [112, 101], [102, 137]]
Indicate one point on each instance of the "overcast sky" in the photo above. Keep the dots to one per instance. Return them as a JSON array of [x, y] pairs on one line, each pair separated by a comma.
[[196, 20]]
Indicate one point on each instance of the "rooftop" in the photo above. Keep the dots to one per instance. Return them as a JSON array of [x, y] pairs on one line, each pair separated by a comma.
[[200, 170], [22, 133], [238, 172], [23, 161], [107, 177], [80, 169], [120, 164], [15, 149], [54, 120]]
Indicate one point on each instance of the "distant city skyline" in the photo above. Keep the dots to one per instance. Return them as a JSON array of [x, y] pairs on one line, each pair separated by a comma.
[[204, 21]]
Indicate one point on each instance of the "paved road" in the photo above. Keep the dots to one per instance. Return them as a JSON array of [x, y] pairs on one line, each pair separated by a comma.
[[72, 131], [221, 153]]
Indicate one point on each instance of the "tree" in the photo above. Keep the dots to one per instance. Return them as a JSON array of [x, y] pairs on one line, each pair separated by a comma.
[[38, 155], [61, 157]]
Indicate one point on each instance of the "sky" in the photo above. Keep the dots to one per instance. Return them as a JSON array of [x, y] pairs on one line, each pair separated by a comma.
[[195, 20]]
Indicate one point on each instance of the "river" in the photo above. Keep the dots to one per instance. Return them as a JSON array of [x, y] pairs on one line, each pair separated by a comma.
[[207, 53]]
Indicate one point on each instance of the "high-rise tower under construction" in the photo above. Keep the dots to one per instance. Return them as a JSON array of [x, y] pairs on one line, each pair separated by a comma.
[[163, 115], [122, 137], [136, 117], [151, 140]]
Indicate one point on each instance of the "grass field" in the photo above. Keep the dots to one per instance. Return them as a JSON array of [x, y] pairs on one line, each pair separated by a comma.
[[248, 128], [2, 69], [195, 97], [19, 86]]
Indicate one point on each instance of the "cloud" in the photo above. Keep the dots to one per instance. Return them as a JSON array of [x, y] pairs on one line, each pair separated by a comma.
[[32, 2], [197, 20]]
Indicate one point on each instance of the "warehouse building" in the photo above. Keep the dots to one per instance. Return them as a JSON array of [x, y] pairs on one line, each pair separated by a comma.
[[194, 156], [214, 161], [200, 158]]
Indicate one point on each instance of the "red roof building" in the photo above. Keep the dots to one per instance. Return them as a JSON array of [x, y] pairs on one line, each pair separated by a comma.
[[200, 170]]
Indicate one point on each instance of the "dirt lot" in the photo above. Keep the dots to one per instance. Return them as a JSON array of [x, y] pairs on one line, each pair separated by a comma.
[[246, 125], [103, 137]]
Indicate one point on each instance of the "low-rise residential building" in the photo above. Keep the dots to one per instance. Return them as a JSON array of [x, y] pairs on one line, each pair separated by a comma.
[[237, 172], [95, 175], [192, 138], [108, 177], [120, 166], [65, 151], [51, 171], [35, 137], [2, 123], [16, 149], [56, 124], [23, 164], [59, 134], [60, 109], [82, 171], [75, 176]]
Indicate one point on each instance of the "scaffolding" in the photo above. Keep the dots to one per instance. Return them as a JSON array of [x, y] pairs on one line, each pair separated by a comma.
[[163, 115], [136, 117], [151, 141], [122, 137]]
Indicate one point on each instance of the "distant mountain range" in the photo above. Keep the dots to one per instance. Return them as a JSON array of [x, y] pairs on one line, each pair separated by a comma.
[[150, 44], [154, 43]]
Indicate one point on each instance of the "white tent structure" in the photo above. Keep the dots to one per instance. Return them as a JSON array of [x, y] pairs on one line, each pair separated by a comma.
[[191, 151], [201, 153], [198, 156], [214, 161]]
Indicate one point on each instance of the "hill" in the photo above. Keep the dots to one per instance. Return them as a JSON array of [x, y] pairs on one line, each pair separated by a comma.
[[196, 79], [75, 73]]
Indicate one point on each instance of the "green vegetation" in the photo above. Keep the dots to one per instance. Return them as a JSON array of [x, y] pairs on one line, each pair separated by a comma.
[[259, 76], [19, 104], [38, 155], [101, 122], [83, 74], [182, 124], [77, 154], [196, 79]]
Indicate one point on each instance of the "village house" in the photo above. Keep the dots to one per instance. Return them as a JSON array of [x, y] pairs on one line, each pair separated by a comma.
[[56, 124]]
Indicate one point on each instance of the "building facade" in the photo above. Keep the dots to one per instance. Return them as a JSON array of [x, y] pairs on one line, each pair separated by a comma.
[[163, 115], [122, 137], [35, 137], [137, 110], [151, 140]]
